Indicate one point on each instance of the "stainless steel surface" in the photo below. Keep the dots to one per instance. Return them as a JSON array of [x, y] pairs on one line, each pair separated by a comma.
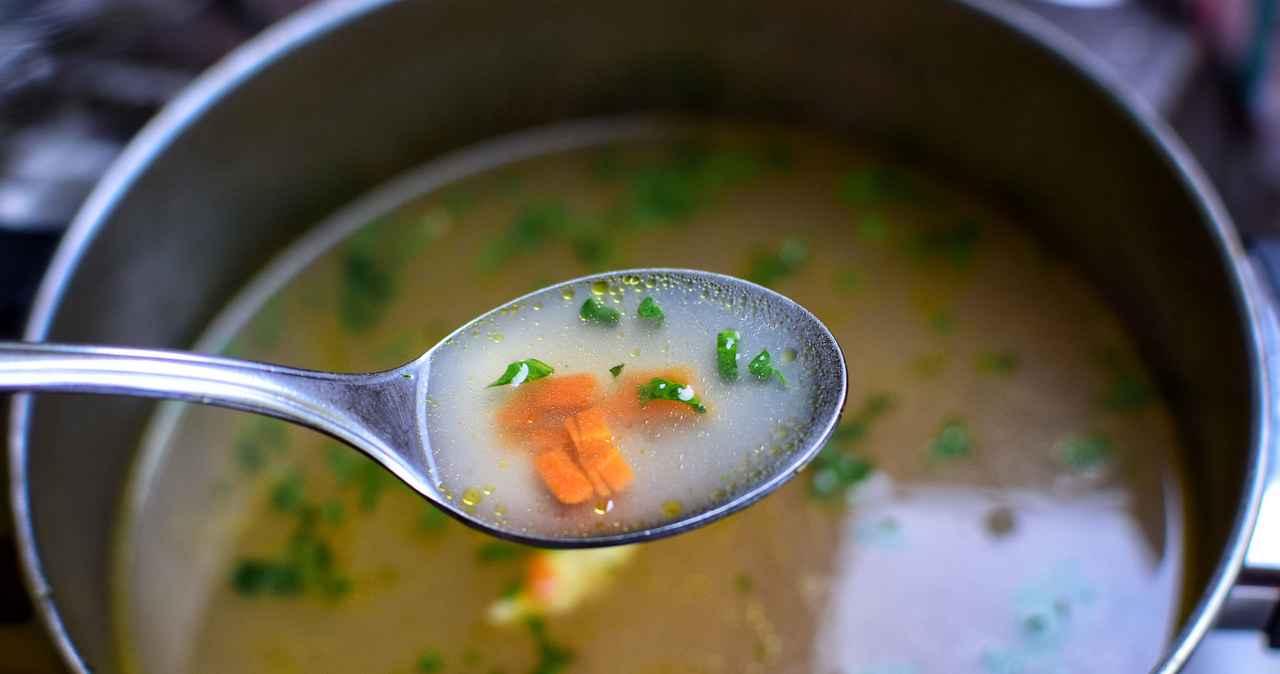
[[378, 413], [245, 164]]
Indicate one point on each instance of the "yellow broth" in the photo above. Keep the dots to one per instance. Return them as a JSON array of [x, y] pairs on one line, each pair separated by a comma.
[[1001, 495]]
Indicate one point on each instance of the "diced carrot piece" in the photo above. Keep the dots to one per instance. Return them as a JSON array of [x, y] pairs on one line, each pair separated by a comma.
[[563, 477], [520, 411], [571, 392], [592, 426], [542, 438], [598, 485], [599, 457], [612, 469]]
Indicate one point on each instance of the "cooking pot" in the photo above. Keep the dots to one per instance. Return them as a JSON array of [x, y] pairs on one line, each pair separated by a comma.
[[345, 96]]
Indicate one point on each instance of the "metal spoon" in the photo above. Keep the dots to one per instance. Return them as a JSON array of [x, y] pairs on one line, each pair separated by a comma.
[[381, 413]]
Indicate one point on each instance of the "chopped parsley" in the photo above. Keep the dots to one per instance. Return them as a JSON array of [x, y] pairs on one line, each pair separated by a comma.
[[768, 267], [953, 244], [667, 389], [552, 658], [1085, 452], [500, 551], [306, 564], [432, 519], [875, 186], [998, 362], [760, 367], [368, 283], [290, 493], [727, 354], [521, 371], [951, 444], [617, 369], [430, 662], [595, 311], [1124, 390], [838, 467], [649, 310]]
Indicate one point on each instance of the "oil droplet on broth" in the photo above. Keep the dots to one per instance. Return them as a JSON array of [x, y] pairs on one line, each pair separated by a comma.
[[675, 458]]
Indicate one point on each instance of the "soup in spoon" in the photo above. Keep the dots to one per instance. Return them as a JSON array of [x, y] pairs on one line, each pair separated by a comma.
[[626, 402]]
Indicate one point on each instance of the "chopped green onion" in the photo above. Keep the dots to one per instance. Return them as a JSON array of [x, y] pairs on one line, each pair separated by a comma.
[[951, 444], [760, 367], [522, 371], [768, 267], [594, 311], [727, 353], [668, 389], [649, 309], [617, 369], [430, 662]]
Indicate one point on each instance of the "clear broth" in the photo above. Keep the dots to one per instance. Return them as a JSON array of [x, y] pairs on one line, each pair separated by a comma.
[[1021, 513]]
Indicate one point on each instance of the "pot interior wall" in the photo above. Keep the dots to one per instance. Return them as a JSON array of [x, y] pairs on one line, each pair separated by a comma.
[[347, 106]]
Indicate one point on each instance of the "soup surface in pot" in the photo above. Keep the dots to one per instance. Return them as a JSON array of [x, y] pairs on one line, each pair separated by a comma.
[[1001, 497]]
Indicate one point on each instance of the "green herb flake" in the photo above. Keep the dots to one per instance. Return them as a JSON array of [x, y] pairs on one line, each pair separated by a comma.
[[532, 229], [262, 437], [521, 371], [333, 512], [873, 227], [552, 658], [500, 551], [432, 519], [837, 466], [760, 367], [250, 456], [952, 443], [289, 493], [1124, 389], [595, 311], [594, 251], [1085, 452], [727, 354], [662, 196], [512, 588], [617, 369], [769, 267], [429, 662], [849, 278], [877, 185], [367, 282], [953, 244], [608, 163], [307, 563], [667, 389], [649, 310], [372, 480], [253, 577], [998, 362], [942, 322], [743, 583]]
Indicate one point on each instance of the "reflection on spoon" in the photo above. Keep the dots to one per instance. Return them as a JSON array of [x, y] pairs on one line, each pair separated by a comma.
[[607, 410]]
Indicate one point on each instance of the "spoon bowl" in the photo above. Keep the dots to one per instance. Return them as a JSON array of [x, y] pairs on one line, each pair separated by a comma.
[[388, 415]]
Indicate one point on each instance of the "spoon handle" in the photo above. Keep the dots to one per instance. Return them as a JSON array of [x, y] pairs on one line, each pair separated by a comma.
[[373, 412]]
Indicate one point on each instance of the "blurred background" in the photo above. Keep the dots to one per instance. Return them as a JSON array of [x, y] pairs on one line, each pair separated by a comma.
[[79, 78]]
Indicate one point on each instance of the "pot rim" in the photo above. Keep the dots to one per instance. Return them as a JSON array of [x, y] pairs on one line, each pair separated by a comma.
[[316, 21]]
